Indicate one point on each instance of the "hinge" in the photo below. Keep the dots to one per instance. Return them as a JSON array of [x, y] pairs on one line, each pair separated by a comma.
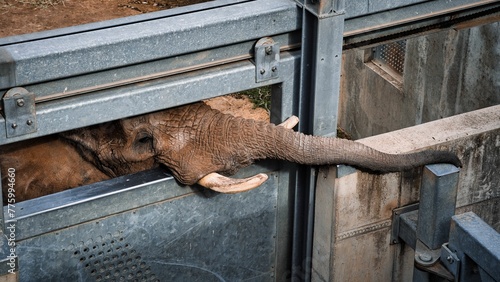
[[267, 57], [19, 111]]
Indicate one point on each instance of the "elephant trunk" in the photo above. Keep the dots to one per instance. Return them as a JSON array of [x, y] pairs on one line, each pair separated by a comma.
[[280, 143]]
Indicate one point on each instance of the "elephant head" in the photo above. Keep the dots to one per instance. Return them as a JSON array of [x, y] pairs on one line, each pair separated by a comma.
[[200, 145]]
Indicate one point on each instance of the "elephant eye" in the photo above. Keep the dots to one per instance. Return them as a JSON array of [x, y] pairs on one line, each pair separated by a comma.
[[144, 139]]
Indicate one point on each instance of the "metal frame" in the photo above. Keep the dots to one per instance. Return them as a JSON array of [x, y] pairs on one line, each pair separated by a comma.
[[447, 246], [186, 55]]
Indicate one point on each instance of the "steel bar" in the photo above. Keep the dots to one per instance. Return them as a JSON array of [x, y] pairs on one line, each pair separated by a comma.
[[115, 103], [81, 53], [477, 245], [438, 195], [418, 19], [322, 31]]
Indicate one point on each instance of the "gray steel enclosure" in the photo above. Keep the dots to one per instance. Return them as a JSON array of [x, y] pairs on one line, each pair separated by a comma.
[[146, 226]]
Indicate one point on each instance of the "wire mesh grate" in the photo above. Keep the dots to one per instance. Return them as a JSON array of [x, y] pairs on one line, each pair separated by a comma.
[[392, 55]]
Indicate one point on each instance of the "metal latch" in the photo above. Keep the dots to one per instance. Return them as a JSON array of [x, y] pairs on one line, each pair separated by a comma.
[[267, 57], [19, 111]]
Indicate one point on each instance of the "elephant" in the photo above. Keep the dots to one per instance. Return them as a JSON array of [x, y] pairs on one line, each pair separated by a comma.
[[201, 145]]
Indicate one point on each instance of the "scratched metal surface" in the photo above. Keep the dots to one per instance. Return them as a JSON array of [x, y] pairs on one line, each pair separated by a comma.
[[193, 237]]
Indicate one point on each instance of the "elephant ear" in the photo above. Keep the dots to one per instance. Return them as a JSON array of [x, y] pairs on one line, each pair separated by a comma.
[[227, 185], [90, 141]]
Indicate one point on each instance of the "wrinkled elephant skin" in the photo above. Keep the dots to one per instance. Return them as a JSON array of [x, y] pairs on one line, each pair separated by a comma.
[[198, 144]]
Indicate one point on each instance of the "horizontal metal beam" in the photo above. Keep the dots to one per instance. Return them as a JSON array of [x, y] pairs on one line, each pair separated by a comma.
[[45, 214], [135, 99], [90, 51], [419, 19], [473, 239]]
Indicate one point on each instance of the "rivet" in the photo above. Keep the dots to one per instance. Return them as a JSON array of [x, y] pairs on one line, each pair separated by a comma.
[[14, 125], [20, 102], [425, 257], [29, 122], [450, 259], [269, 50], [274, 69], [262, 71]]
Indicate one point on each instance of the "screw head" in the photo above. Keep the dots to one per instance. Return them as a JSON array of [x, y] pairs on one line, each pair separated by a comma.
[[425, 257], [262, 71], [274, 69], [14, 125], [29, 122], [20, 102], [269, 50], [450, 259]]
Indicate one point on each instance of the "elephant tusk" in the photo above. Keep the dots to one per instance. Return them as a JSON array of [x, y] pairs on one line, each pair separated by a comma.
[[290, 122], [223, 184]]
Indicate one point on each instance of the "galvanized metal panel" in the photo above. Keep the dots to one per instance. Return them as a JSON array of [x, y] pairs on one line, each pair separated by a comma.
[[76, 54], [194, 237], [115, 103], [356, 8]]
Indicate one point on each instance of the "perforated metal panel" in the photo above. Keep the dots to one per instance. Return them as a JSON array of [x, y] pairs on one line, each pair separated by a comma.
[[391, 55]]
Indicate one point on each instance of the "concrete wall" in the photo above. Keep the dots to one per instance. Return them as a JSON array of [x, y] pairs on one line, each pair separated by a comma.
[[446, 73], [353, 212], [448, 76]]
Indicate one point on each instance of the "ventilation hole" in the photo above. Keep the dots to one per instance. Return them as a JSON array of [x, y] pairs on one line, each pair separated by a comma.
[[76, 253], [93, 272], [83, 258], [86, 250]]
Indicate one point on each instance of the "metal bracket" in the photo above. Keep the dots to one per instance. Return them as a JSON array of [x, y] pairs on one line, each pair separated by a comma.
[[399, 230], [267, 57], [19, 111], [451, 261]]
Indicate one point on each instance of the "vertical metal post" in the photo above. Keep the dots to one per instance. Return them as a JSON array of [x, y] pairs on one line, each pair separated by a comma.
[[438, 195], [322, 34]]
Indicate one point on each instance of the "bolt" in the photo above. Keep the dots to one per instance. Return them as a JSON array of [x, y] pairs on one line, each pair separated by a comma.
[[14, 125], [394, 241], [262, 71], [274, 69], [29, 122], [425, 257], [269, 50], [450, 259], [20, 102]]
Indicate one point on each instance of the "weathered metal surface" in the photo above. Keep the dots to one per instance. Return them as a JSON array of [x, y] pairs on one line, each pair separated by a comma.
[[415, 20], [322, 31], [106, 105], [267, 58], [438, 195], [19, 112], [162, 231], [474, 240], [76, 54]]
